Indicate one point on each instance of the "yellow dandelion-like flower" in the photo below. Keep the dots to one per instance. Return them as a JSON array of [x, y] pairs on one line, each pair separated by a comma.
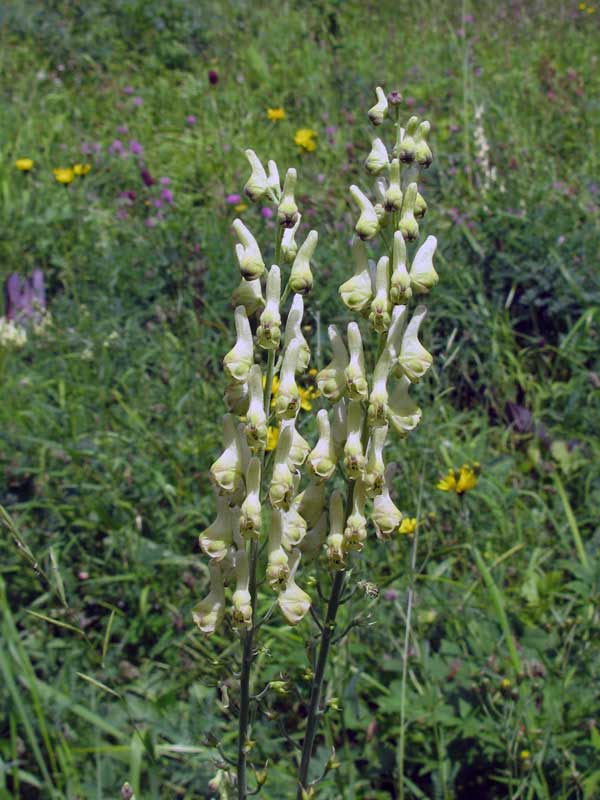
[[525, 755], [305, 138], [505, 683], [467, 479], [408, 525], [306, 395], [275, 113], [447, 484], [81, 169], [272, 438], [24, 164], [582, 6], [63, 175], [239, 207]]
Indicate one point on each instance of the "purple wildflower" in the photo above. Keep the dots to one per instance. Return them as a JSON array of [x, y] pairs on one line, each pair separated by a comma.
[[266, 212], [151, 222], [233, 199], [191, 120], [121, 213], [135, 147], [137, 101], [128, 90], [165, 181], [167, 196], [147, 177], [123, 129], [116, 147], [213, 77]]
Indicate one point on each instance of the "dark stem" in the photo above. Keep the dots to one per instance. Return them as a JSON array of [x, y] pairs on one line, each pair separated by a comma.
[[247, 658], [315, 694]]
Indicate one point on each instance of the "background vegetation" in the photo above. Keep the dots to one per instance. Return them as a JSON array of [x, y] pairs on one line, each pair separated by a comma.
[[110, 418]]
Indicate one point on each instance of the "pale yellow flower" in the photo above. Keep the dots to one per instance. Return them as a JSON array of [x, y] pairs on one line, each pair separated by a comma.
[[275, 113], [239, 207], [305, 138], [408, 525], [63, 174], [24, 164]]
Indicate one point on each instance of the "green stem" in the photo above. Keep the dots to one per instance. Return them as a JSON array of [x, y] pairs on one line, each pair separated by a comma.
[[247, 659], [315, 694]]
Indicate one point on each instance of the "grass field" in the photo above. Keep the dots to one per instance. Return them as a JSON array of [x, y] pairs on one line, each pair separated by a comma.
[[110, 414]]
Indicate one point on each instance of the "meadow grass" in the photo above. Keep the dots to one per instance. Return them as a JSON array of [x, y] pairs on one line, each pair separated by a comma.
[[110, 419]]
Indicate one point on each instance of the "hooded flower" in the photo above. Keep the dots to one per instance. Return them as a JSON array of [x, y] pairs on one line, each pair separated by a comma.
[[216, 540], [322, 458], [357, 291], [378, 112], [331, 380], [250, 511], [269, 329], [386, 516], [381, 306], [287, 210], [367, 225], [400, 282], [403, 414], [414, 360], [240, 358], [208, 613], [293, 330], [282, 480], [301, 279], [378, 161], [374, 473], [257, 184], [256, 417], [241, 601], [277, 559], [423, 276], [287, 403], [227, 469], [289, 248], [408, 225], [293, 601], [355, 373], [355, 532], [335, 540], [248, 253], [354, 457]]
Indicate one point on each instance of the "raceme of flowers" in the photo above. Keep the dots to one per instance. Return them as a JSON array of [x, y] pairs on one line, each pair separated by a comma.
[[367, 396]]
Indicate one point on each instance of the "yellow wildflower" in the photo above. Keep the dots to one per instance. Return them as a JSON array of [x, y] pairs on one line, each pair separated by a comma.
[[24, 164], [239, 207], [582, 6], [305, 138], [447, 484], [82, 169], [63, 174], [467, 479], [272, 438], [525, 755], [408, 525], [505, 683], [275, 113], [306, 395]]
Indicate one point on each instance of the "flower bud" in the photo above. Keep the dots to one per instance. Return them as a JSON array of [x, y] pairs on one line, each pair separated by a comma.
[[240, 358], [249, 295], [241, 601], [356, 378], [257, 183], [422, 151], [216, 540], [408, 225], [289, 248], [313, 542], [237, 397], [331, 380], [248, 253], [354, 457], [381, 306], [287, 211], [378, 399], [300, 447], [256, 417], [378, 112], [268, 332], [287, 402], [293, 601], [250, 511], [393, 196], [378, 159], [403, 414], [227, 469], [282, 480], [335, 540], [355, 532], [301, 279], [414, 360], [321, 459], [407, 150], [423, 276], [277, 559], [357, 291], [367, 225], [374, 474], [311, 502], [293, 330], [273, 180], [208, 613], [386, 516]]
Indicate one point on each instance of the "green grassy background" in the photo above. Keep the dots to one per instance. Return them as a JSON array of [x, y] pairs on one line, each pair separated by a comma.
[[109, 421]]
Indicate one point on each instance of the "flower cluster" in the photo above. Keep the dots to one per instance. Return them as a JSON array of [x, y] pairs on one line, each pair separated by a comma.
[[366, 385]]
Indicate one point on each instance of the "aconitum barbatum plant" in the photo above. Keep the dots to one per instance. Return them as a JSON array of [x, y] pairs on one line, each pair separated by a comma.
[[284, 502]]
